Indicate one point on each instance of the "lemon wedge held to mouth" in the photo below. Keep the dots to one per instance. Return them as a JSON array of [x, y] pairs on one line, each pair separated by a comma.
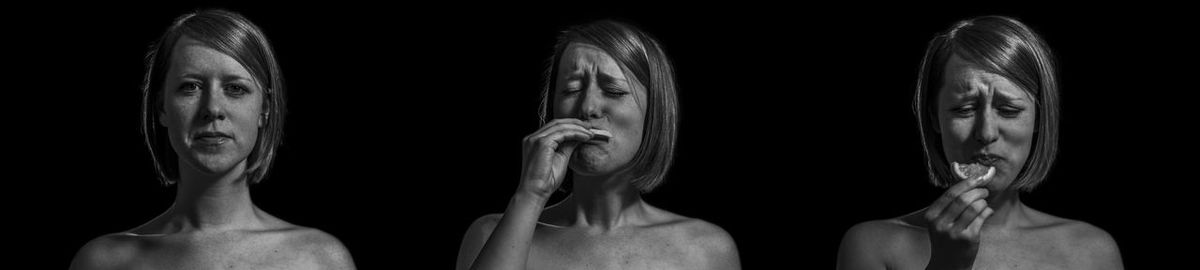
[[600, 135], [973, 171]]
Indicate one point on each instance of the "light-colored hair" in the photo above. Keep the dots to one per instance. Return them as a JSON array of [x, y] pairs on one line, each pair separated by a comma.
[[1008, 48], [643, 58], [231, 34]]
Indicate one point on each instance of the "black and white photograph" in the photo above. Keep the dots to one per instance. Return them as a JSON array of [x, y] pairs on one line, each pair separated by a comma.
[[599, 136]]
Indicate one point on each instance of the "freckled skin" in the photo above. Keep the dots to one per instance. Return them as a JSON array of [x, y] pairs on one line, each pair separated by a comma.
[[290, 247], [604, 224], [973, 116], [213, 224]]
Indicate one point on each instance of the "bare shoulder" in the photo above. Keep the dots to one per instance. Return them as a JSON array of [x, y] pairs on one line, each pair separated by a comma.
[[482, 228], [1095, 245], [709, 236], [1090, 245], [886, 233], [713, 244], [327, 250], [474, 239], [876, 244], [486, 223], [111, 251]]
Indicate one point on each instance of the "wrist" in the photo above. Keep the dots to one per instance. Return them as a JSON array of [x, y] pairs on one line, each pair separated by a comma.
[[523, 196]]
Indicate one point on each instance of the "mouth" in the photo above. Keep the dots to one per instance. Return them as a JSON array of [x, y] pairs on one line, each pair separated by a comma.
[[211, 137], [600, 136], [986, 159]]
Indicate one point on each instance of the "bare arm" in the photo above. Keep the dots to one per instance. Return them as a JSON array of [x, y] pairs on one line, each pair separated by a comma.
[[501, 241], [859, 249], [105, 252], [547, 152]]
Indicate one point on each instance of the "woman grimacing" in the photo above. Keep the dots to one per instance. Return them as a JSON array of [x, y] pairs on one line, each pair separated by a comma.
[[610, 117], [987, 94]]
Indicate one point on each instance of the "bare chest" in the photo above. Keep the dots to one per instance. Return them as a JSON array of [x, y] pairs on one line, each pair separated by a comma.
[[206, 255], [632, 251], [1030, 251], [1026, 252]]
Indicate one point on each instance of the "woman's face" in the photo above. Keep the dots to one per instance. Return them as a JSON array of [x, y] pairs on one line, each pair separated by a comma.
[[592, 87], [211, 108], [985, 118]]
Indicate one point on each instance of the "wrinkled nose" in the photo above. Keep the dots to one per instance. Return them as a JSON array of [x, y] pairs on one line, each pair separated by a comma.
[[985, 128], [590, 104]]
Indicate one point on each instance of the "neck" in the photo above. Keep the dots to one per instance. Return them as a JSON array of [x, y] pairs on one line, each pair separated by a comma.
[[212, 201], [606, 202], [1007, 208]]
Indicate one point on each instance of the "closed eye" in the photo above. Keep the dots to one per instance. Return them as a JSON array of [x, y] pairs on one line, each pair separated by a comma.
[[614, 90], [1010, 111], [964, 110]]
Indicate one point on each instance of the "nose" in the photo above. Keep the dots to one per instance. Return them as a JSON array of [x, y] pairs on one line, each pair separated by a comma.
[[590, 106], [985, 129], [212, 104]]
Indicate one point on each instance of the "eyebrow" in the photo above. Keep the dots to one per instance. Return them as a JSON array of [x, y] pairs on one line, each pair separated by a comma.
[[224, 77], [1012, 97], [608, 79]]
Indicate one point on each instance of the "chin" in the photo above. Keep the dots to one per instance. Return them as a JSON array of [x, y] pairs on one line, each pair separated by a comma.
[[591, 161], [214, 164]]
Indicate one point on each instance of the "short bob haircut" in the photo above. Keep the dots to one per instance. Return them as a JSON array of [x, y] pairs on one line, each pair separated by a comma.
[[233, 35], [641, 57], [1008, 48]]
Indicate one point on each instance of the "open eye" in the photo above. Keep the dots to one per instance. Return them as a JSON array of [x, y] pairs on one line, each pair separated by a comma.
[[237, 90], [188, 87]]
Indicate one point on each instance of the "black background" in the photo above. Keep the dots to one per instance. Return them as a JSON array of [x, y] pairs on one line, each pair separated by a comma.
[[405, 122]]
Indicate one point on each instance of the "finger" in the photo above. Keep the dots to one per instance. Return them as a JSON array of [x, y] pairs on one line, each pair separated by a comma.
[[977, 224], [963, 186], [952, 205], [557, 138], [950, 195], [956, 206], [968, 215], [553, 129], [560, 122]]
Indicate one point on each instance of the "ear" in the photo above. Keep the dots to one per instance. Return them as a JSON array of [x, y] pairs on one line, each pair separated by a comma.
[[264, 115]]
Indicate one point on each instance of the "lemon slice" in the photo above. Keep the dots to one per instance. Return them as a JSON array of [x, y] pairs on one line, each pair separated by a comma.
[[600, 135], [973, 171]]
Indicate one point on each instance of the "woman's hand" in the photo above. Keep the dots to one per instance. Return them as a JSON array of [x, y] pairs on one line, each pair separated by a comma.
[[955, 220], [547, 153]]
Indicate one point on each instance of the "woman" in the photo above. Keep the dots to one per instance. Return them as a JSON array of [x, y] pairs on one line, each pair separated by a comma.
[[212, 110], [987, 94], [611, 93]]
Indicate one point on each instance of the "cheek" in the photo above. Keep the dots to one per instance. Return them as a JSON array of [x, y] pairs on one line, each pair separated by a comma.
[[955, 131], [247, 117], [178, 113], [629, 118], [1021, 134], [561, 107]]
